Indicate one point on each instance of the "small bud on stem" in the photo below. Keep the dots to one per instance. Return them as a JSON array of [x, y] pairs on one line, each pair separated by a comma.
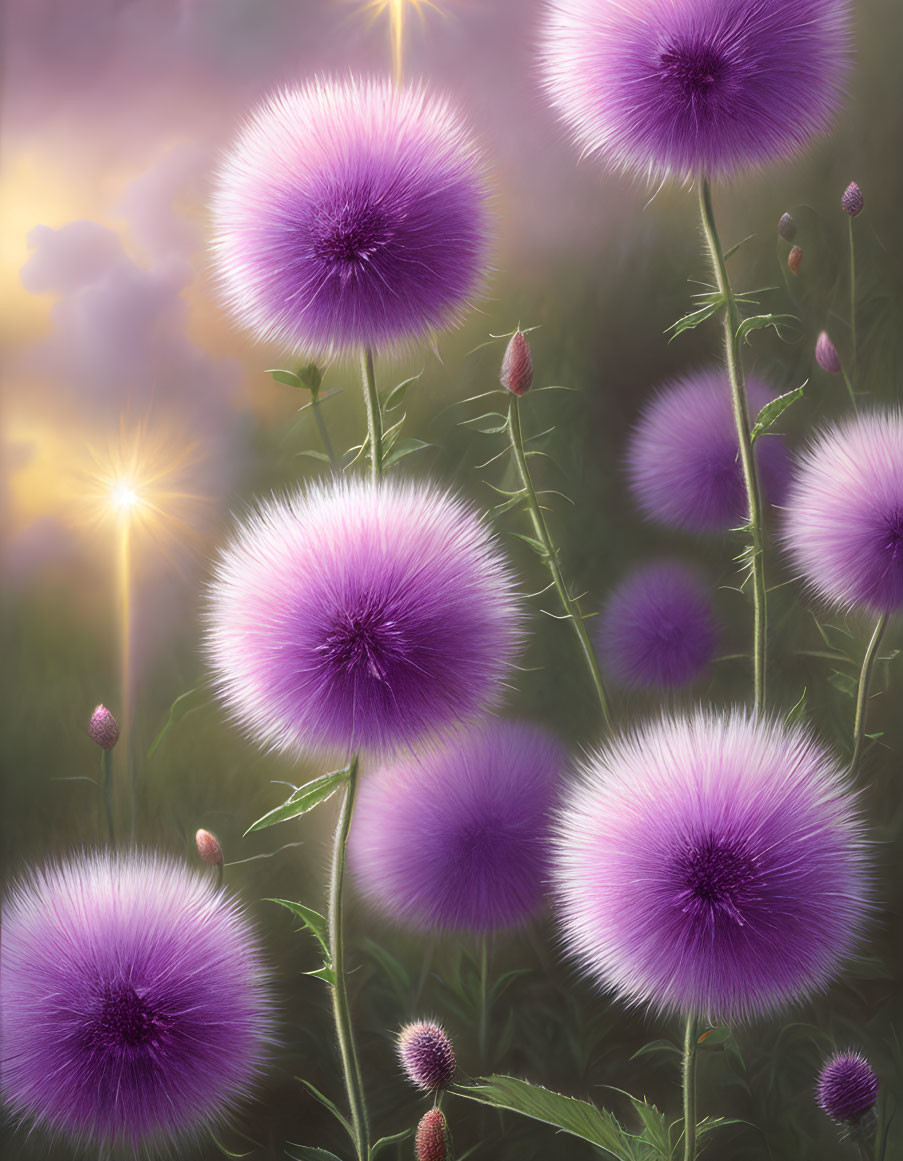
[[795, 259], [517, 366], [103, 728], [431, 1142], [852, 200], [209, 848], [826, 355], [787, 228]]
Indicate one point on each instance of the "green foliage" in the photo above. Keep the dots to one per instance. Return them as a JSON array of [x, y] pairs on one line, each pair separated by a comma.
[[184, 704], [772, 411], [303, 799]]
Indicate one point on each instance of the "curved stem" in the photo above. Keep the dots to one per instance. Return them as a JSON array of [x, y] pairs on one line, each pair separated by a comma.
[[570, 604], [852, 308], [740, 408], [106, 766], [689, 1085], [484, 1002], [374, 413], [351, 1068], [324, 434], [862, 693]]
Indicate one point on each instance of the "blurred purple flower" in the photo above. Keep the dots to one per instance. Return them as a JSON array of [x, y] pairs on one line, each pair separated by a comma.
[[133, 1008], [847, 1087], [695, 87], [787, 227], [852, 200], [457, 837], [826, 354], [426, 1055], [350, 214], [346, 615], [657, 627], [682, 459], [843, 526], [713, 864]]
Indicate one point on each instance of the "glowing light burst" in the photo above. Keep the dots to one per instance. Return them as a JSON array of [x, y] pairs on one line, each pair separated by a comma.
[[397, 10]]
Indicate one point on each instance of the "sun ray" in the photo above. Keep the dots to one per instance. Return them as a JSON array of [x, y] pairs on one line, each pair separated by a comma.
[[397, 11]]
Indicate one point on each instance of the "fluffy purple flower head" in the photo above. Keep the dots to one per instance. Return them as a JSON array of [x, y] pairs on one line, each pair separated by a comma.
[[682, 459], [132, 1000], [347, 615], [458, 837], [712, 864], [847, 1087], [657, 627], [843, 525], [826, 354], [350, 214], [426, 1055], [690, 87]]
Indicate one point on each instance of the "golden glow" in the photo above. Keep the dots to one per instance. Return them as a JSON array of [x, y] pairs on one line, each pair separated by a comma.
[[397, 9]]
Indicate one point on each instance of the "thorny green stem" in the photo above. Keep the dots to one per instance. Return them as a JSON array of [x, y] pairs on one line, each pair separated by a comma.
[[374, 414], [106, 766], [862, 693], [740, 407], [689, 1085], [853, 367], [354, 1085], [570, 604]]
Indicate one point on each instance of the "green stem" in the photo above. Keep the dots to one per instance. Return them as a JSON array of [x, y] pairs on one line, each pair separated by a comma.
[[484, 1003], [689, 1084], [862, 693], [570, 604], [852, 306], [106, 766], [849, 386], [740, 407], [351, 1068], [324, 434], [374, 413]]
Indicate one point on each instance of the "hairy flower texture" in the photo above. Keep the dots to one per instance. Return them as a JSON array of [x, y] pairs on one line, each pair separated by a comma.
[[657, 627], [826, 354], [426, 1055], [712, 864], [432, 1140], [682, 460], [350, 214], [347, 615], [458, 837], [843, 525], [695, 87], [847, 1087], [103, 728], [852, 202], [132, 1000]]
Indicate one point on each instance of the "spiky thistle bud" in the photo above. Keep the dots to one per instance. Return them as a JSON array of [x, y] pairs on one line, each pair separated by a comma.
[[795, 259], [103, 728], [826, 354], [426, 1055], [431, 1142], [852, 200], [209, 848], [847, 1087], [517, 366], [787, 228]]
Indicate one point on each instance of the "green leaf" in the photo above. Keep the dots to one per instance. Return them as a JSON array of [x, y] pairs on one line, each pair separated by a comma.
[[732, 250], [759, 322], [657, 1046], [311, 377], [845, 682], [324, 973], [491, 423], [385, 1142], [579, 1118], [226, 1152], [312, 920], [692, 320], [395, 398], [309, 1153], [329, 1105], [303, 799], [798, 710], [312, 454], [184, 704], [714, 1038], [655, 1127], [404, 447], [288, 378], [772, 411], [538, 547]]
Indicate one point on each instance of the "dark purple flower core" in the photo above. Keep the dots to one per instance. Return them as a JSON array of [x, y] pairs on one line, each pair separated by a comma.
[[716, 881], [125, 1022], [367, 643], [347, 234], [695, 68]]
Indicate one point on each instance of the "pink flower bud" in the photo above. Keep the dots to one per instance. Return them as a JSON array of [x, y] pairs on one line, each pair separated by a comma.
[[103, 728], [795, 259], [826, 354], [431, 1142], [208, 848], [787, 228], [517, 365], [852, 200], [426, 1055]]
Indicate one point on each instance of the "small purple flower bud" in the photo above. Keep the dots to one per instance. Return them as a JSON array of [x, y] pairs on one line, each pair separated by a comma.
[[852, 200], [517, 366], [426, 1055], [103, 728], [795, 259], [431, 1142], [209, 848], [847, 1087], [787, 228], [826, 354]]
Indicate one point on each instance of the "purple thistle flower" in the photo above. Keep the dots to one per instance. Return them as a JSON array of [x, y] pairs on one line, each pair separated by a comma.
[[826, 354], [347, 615], [713, 864], [350, 214], [103, 728], [847, 1087], [426, 1055], [852, 200], [457, 838], [133, 1009], [843, 525], [695, 87], [682, 460], [657, 627]]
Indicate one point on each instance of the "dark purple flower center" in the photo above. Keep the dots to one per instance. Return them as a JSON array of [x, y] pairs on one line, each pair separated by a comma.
[[367, 642], [894, 537], [347, 236], [716, 881], [693, 67], [125, 1020]]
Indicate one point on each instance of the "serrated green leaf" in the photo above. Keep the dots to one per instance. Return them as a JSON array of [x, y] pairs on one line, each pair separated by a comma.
[[759, 322], [772, 411], [692, 320], [395, 398], [312, 920], [184, 704], [309, 1153], [655, 1127], [329, 1105], [385, 1142], [304, 798], [405, 447]]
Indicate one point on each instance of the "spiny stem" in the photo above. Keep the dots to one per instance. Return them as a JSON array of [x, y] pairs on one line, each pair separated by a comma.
[[689, 1086], [740, 408], [862, 693], [351, 1068], [570, 604], [106, 766], [852, 306], [374, 413]]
